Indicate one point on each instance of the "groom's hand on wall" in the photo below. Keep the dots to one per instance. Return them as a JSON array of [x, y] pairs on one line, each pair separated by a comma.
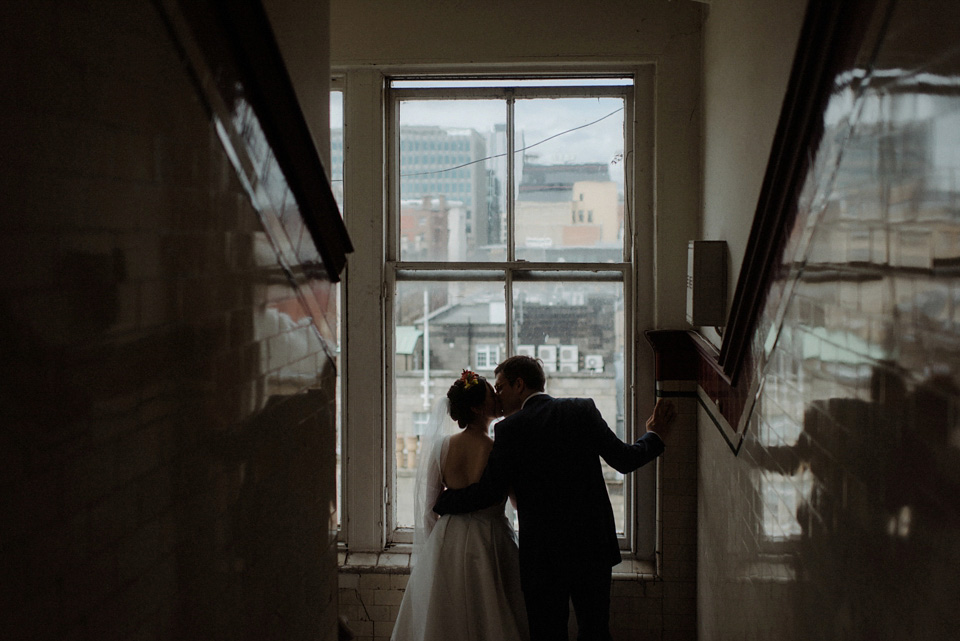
[[664, 412]]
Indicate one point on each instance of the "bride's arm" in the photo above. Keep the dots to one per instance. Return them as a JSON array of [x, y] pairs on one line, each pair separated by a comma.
[[490, 489]]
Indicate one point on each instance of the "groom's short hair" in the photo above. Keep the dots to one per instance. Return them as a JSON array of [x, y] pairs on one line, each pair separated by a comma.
[[523, 367]]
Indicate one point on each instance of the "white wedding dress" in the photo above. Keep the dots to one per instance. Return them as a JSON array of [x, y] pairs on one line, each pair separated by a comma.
[[465, 581]]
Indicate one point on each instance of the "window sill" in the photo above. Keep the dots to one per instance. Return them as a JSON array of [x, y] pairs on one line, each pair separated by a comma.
[[631, 569], [393, 561], [397, 561]]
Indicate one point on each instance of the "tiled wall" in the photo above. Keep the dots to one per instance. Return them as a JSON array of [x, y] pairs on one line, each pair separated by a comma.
[[840, 516], [641, 607], [167, 448], [370, 601]]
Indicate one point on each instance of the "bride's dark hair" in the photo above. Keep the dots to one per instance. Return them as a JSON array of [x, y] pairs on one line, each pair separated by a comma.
[[469, 391]]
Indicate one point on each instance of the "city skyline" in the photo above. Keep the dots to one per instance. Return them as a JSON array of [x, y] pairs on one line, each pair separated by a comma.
[[570, 131]]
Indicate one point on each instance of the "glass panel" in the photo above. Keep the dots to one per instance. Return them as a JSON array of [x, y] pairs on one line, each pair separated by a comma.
[[568, 327], [336, 146], [569, 180], [458, 321], [453, 173], [336, 183]]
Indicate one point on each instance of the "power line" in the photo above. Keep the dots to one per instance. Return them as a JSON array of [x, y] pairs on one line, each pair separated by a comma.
[[473, 162]]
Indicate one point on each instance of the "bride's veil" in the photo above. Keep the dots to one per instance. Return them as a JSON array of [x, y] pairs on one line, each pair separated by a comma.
[[428, 484]]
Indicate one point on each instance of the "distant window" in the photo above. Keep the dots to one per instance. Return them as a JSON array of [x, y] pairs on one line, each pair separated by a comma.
[[487, 356], [420, 420]]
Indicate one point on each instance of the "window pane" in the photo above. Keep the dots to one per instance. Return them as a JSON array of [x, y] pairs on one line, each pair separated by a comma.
[[336, 183], [568, 327], [454, 319], [452, 180], [569, 179], [487, 357]]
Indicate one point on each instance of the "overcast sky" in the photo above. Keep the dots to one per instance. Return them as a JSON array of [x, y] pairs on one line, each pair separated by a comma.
[[537, 120]]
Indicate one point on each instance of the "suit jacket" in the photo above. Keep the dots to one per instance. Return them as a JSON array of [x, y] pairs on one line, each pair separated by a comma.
[[549, 454]]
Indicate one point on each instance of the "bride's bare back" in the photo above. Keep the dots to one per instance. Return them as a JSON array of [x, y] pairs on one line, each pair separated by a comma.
[[467, 455]]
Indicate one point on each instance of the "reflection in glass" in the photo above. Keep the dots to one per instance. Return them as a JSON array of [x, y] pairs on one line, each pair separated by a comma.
[[576, 330], [784, 484], [452, 177], [570, 177], [464, 326]]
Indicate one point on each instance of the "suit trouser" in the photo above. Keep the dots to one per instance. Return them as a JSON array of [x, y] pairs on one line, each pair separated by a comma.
[[548, 605]]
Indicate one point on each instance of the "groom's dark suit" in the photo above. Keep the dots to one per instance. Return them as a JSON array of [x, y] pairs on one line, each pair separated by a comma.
[[549, 454]]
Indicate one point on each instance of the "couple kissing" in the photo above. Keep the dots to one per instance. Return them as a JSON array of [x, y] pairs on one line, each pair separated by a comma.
[[472, 578]]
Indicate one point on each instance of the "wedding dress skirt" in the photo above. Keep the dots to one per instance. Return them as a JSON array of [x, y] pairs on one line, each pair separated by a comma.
[[465, 583]]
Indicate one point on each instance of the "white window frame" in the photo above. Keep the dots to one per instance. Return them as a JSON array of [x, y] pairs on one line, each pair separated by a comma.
[[491, 354], [369, 120]]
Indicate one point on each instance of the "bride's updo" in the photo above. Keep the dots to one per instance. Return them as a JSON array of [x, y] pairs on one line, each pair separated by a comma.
[[469, 391]]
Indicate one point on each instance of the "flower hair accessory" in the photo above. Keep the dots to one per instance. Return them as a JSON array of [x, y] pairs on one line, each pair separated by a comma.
[[469, 379]]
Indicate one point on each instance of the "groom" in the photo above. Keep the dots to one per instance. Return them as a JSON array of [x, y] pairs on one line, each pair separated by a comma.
[[548, 452]]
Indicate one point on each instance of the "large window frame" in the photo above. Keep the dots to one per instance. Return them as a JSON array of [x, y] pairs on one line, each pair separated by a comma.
[[369, 100]]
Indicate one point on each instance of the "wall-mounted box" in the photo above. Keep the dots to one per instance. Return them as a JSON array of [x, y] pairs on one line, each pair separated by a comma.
[[548, 356], [707, 283], [527, 350], [593, 362]]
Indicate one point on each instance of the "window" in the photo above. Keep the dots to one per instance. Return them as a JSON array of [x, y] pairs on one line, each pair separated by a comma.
[[487, 357], [498, 266], [420, 420], [336, 184], [503, 266]]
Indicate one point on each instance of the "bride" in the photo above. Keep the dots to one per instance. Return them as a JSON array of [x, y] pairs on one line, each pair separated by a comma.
[[465, 577]]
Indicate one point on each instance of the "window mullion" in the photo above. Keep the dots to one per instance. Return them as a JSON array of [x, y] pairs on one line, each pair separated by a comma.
[[362, 332], [510, 192], [629, 158], [508, 305]]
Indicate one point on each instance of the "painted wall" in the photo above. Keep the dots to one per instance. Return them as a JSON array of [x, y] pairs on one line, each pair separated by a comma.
[[167, 436], [301, 28], [748, 48]]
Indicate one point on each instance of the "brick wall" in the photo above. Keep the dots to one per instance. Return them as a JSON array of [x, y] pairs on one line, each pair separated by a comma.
[[370, 601], [167, 451]]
